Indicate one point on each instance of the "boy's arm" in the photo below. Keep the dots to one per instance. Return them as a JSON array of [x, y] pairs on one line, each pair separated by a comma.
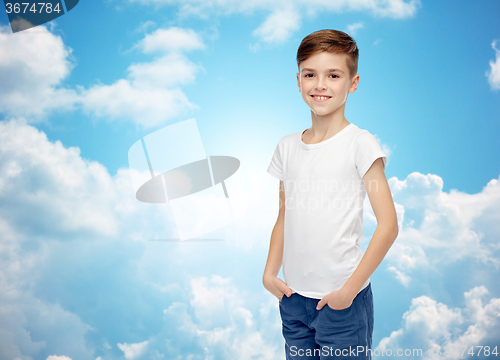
[[274, 260], [386, 232]]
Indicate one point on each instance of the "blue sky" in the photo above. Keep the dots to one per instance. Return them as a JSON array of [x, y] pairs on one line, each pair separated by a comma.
[[80, 278]]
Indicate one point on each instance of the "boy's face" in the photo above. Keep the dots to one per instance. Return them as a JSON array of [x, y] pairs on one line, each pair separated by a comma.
[[324, 82]]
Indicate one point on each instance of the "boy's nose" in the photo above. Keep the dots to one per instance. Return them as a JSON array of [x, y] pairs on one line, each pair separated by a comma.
[[320, 85]]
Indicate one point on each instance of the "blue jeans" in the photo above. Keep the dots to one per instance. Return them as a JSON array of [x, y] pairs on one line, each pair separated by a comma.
[[327, 333]]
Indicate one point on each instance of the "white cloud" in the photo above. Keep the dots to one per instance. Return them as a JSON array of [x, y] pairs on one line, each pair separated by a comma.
[[63, 195], [429, 324], [352, 29], [438, 228], [285, 17], [167, 71], [43, 182], [278, 26], [147, 106], [494, 73], [223, 327], [215, 324], [400, 275], [150, 95], [33, 63], [55, 357], [51, 198], [144, 26], [47, 192], [385, 8], [52, 201], [211, 299], [396, 9], [132, 351], [169, 40], [24, 319]]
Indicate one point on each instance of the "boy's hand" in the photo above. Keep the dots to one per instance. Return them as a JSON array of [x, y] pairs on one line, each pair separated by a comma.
[[337, 300], [276, 286]]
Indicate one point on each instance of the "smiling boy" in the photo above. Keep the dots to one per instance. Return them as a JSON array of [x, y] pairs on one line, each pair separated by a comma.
[[325, 172]]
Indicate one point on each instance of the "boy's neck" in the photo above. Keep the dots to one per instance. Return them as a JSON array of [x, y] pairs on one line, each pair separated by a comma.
[[325, 127]]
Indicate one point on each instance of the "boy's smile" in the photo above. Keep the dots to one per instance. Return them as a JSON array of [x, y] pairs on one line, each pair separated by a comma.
[[320, 98], [324, 82]]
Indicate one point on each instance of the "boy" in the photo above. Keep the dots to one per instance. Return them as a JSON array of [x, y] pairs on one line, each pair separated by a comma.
[[325, 172]]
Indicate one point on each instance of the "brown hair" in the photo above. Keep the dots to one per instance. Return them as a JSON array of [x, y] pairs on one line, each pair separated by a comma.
[[333, 41]]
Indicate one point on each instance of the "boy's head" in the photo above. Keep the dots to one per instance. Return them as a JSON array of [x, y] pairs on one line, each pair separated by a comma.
[[332, 41]]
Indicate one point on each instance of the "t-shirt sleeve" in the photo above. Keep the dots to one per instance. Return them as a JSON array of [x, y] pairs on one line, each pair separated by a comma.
[[367, 151], [275, 167]]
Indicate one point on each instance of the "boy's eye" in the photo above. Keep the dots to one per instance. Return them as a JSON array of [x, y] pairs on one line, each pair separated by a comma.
[[334, 75], [308, 75]]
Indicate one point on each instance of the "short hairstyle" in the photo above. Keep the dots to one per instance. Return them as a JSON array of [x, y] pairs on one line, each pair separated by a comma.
[[333, 41]]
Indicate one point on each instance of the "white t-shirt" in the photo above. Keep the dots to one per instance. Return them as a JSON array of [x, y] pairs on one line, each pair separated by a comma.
[[324, 194]]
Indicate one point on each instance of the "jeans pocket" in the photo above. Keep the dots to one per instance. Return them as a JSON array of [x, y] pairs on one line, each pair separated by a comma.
[[329, 307], [292, 306], [338, 328]]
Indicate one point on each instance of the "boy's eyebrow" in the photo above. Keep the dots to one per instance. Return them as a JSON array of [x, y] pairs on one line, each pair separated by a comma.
[[329, 70]]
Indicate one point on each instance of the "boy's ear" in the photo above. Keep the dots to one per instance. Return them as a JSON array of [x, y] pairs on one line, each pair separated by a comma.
[[354, 84], [298, 81]]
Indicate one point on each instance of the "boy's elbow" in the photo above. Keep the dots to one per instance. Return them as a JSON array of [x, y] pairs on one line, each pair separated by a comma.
[[391, 230], [393, 227], [394, 230]]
